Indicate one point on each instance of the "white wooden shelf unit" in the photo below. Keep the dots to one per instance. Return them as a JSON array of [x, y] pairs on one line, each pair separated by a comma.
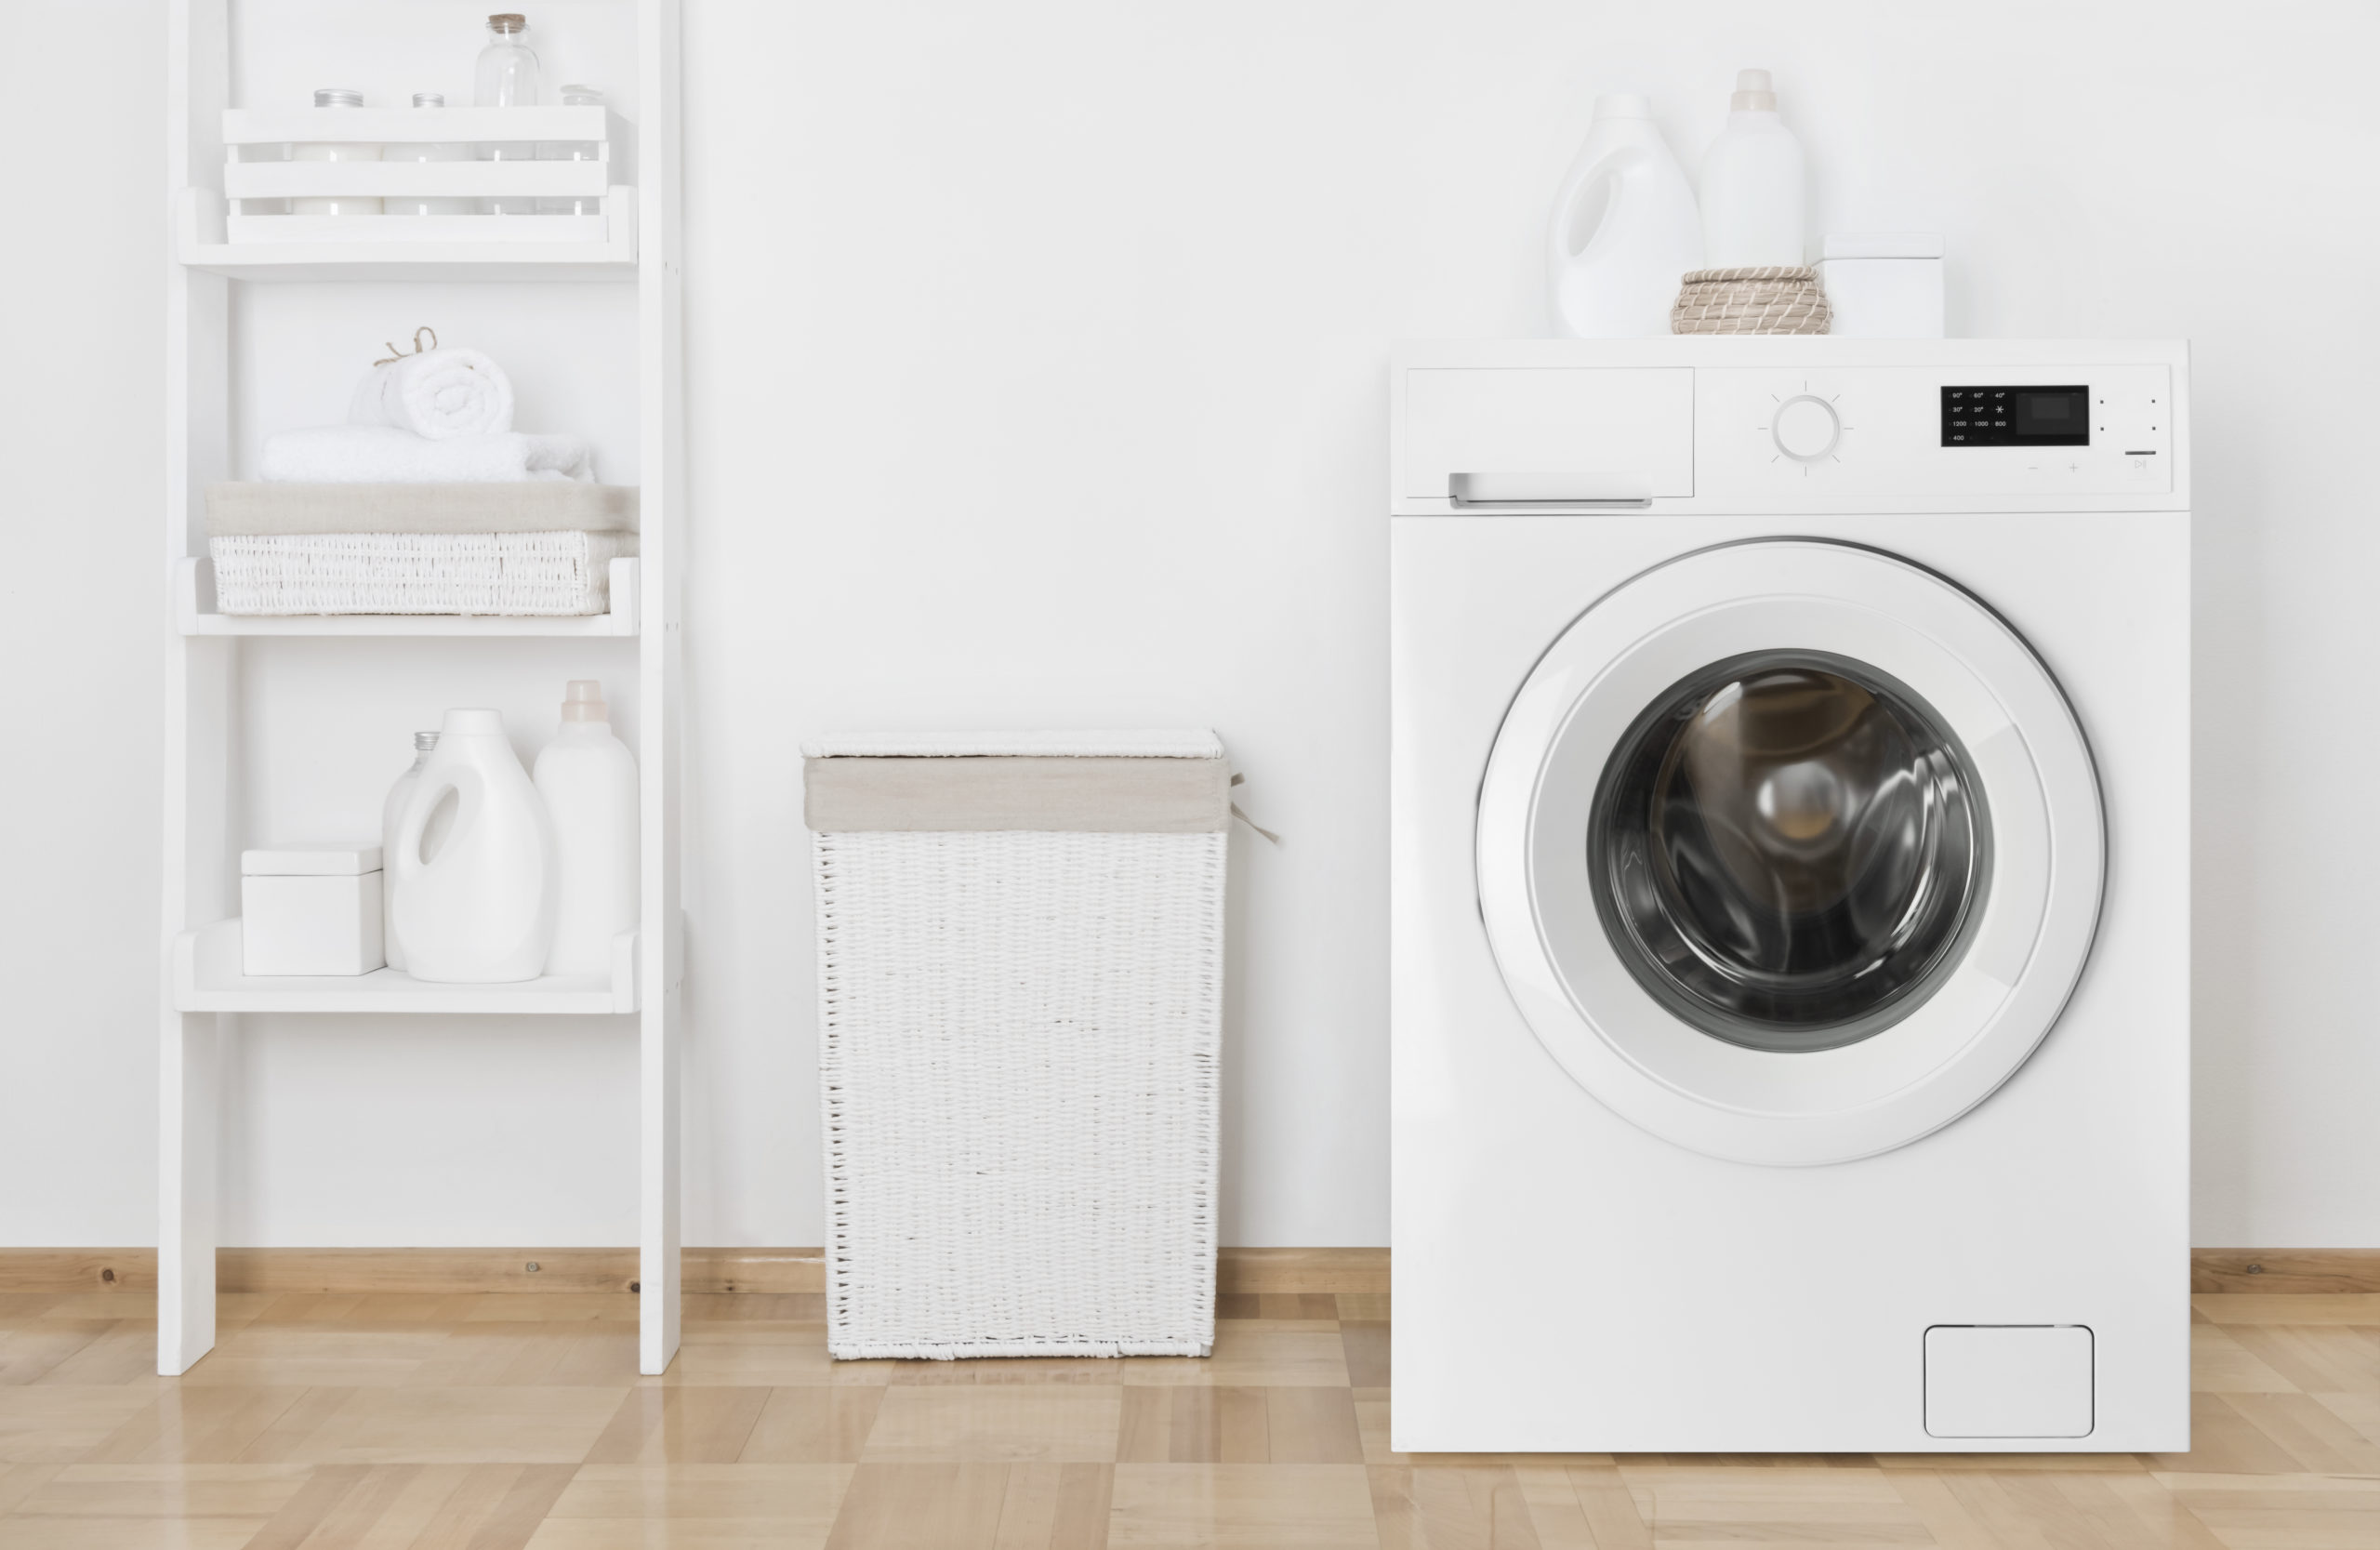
[[207, 977], [217, 154]]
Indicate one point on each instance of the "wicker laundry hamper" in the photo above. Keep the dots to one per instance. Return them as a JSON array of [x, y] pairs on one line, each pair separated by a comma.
[[1020, 989], [537, 547], [562, 575]]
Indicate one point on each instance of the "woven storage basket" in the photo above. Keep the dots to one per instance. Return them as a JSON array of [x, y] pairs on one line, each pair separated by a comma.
[[1019, 969], [1773, 298], [565, 574]]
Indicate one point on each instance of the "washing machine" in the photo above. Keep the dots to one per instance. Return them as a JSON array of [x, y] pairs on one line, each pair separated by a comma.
[[1790, 895]]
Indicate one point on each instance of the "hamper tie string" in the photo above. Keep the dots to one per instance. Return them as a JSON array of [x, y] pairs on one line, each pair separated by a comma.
[[1236, 813], [395, 354]]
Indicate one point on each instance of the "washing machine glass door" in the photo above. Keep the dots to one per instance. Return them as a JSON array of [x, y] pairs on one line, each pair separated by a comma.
[[1786, 849], [1790, 851]]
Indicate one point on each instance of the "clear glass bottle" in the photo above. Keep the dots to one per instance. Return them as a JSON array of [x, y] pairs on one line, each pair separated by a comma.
[[335, 151], [573, 150], [430, 150], [506, 77]]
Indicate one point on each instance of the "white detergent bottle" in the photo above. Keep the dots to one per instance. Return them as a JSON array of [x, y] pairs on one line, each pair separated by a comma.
[[481, 909], [1751, 184], [1624, 229], [588, 778], [391, 811]]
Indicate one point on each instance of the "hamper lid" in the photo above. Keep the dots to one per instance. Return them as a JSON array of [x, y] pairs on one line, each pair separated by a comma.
[[1160, 743], [311, 861]]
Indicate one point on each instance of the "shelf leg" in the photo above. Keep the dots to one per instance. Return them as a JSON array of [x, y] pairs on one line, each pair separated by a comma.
[[190, 1081], [660, 391], [657, 1313]]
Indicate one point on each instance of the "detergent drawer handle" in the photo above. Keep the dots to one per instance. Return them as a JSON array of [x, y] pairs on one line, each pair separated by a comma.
[[1611, 492]]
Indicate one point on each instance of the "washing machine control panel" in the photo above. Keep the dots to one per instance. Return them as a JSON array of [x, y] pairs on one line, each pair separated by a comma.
[[1932, 432], [1571, 433]]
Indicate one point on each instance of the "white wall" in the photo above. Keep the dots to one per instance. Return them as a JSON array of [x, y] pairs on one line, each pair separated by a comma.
[[1035, 376], [82, 621]]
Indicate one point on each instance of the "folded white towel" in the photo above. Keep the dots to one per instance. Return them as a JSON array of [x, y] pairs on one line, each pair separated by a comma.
[[384, 455], [436, 393]]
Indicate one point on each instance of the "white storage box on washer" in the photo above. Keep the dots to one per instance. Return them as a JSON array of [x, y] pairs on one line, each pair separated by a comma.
[[1020, 989], [1883, 287]]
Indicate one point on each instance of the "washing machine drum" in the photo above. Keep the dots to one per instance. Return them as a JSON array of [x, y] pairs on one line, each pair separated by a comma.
[[1790, 851]]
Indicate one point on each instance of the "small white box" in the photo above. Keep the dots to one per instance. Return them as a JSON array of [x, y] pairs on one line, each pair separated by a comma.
[[310, 909], [1883, 287], [2008, 1380]]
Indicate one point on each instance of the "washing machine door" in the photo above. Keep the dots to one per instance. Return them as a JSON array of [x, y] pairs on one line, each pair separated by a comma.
[[1790, 851]]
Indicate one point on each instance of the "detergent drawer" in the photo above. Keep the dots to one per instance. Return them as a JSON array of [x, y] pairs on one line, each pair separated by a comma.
[[1552, 437]]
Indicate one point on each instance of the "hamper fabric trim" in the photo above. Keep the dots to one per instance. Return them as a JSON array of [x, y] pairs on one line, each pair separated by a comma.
[[1134, 743], [548, 506], [1064, 794]]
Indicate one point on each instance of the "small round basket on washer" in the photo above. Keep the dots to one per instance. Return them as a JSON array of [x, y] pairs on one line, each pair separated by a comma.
[[1766, 298]]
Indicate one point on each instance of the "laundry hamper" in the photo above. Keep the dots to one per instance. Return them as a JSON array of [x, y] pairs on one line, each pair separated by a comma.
[[1020, 989], [534, 548]]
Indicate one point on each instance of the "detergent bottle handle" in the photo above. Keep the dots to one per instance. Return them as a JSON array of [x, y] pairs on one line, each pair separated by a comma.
[[1607, 175], [407, 863]]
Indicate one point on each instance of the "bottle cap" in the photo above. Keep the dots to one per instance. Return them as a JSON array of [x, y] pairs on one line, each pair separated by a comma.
[[339, 97], [1622, 104], [472, 721], [425, 742], [582, 97], [1753, 93], [507, 22], [429, 100], [582, 701]]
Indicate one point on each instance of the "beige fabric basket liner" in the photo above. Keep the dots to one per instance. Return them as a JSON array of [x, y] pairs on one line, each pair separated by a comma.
[[248, 510], [1054, 795]]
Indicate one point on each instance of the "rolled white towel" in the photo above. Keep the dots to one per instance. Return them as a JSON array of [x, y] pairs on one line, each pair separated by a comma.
[[436, 393], [384, 455]]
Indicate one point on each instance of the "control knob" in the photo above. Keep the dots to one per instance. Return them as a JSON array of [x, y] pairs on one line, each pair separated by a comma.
[[1807, 428]]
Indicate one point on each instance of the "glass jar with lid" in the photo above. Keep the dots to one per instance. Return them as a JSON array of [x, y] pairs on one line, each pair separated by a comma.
[[573, 150], [335, 151], [506, 77], [430, 150]]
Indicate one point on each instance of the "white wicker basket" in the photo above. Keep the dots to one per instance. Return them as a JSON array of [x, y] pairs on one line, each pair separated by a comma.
[[1019, 1038], [563, 574]]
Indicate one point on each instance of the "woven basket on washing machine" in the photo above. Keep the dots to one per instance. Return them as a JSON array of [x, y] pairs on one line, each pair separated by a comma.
[[1767, 298], [1020, 992]]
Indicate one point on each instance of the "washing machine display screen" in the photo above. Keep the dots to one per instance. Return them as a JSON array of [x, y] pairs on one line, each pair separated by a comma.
[[1788, 850], [2016, 416]]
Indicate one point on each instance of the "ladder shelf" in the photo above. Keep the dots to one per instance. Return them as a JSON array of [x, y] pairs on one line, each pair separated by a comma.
[[240, 683]]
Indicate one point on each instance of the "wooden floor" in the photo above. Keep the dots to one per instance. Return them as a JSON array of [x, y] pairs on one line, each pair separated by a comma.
[[482, 1421]]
